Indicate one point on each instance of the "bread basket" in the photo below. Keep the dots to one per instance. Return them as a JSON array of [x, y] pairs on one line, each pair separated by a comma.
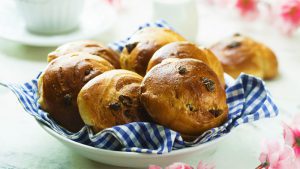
[[140, 144]]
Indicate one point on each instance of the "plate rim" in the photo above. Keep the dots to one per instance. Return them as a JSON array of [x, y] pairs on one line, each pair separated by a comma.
[[131, 154]]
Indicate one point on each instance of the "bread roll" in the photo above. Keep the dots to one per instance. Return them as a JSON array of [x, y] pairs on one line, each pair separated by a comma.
[[141, 46], [111, 99], [243, 54], [60, 83], [87, 46], [188, 50], [184, 95]]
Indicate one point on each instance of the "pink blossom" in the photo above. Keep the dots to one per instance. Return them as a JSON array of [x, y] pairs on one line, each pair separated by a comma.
[[276, 156], [204, 166], [247, 8], [177, 165], [154, 167], [291, 11], [180, 165], [292, 138], [291, 135], [290, 15]]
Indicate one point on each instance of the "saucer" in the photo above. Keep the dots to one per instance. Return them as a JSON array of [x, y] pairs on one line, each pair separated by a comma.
[[97, 17]]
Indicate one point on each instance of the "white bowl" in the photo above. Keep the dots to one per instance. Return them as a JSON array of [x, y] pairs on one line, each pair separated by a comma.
[[132, 159]]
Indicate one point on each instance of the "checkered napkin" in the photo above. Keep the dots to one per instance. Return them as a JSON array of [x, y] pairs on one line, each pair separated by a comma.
[[247, 98]]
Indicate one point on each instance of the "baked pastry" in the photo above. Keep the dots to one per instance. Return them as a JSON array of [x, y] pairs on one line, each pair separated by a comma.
[[188, 50], [184, 95], [87, 46], [141, 46], [111, 99], [242, 54], [60, 83]]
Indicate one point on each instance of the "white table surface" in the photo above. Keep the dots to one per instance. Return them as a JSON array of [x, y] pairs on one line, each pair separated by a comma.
[[23, 144]]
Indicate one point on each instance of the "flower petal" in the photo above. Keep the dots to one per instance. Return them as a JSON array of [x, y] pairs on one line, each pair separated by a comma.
[[179, 165], [288, 135], [204, 166], [154, 167], [287, 159], [263, 158]]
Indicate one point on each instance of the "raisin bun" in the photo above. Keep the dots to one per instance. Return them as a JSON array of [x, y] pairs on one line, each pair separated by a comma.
[[60, 83], [141, 46], [188, 50], [184, 95], [87, 46], [242, 54], [111, 99]]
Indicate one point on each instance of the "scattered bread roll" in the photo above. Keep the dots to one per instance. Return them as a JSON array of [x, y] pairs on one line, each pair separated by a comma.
[[87, 46], [60, 83], [242, 54], [111, 99], [184, 95], [142, 45], [188, 50]]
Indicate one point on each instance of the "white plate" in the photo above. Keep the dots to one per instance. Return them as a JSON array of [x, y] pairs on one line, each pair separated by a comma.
[[132, 159], [97, 17]]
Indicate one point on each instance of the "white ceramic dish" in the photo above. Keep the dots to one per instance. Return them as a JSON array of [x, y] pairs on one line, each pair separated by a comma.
[[135, 160], [97, 17]]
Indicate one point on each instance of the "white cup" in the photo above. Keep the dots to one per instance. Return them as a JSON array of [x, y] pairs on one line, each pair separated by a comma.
[[50, 16], [182, 15]]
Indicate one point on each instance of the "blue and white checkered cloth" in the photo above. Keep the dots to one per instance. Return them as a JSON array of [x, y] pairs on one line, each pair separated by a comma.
[[247, 98]]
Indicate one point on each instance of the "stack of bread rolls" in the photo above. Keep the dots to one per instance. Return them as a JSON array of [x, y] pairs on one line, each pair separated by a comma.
[[159, 77]]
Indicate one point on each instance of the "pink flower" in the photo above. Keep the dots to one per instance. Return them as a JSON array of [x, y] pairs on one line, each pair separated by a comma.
[[180, 165], [276, 156], [292, 138], [177, 165], [290, 15], [291, 11], [154, 167], [204, 166], [247, 8], [291, 135]]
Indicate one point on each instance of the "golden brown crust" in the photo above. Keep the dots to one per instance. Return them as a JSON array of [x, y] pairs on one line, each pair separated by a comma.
[[214, 64], [242, 54], [141, 46], [270, 63], [87, 46], [111, 99], [188, 50], [184, 95], [61, 82]]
